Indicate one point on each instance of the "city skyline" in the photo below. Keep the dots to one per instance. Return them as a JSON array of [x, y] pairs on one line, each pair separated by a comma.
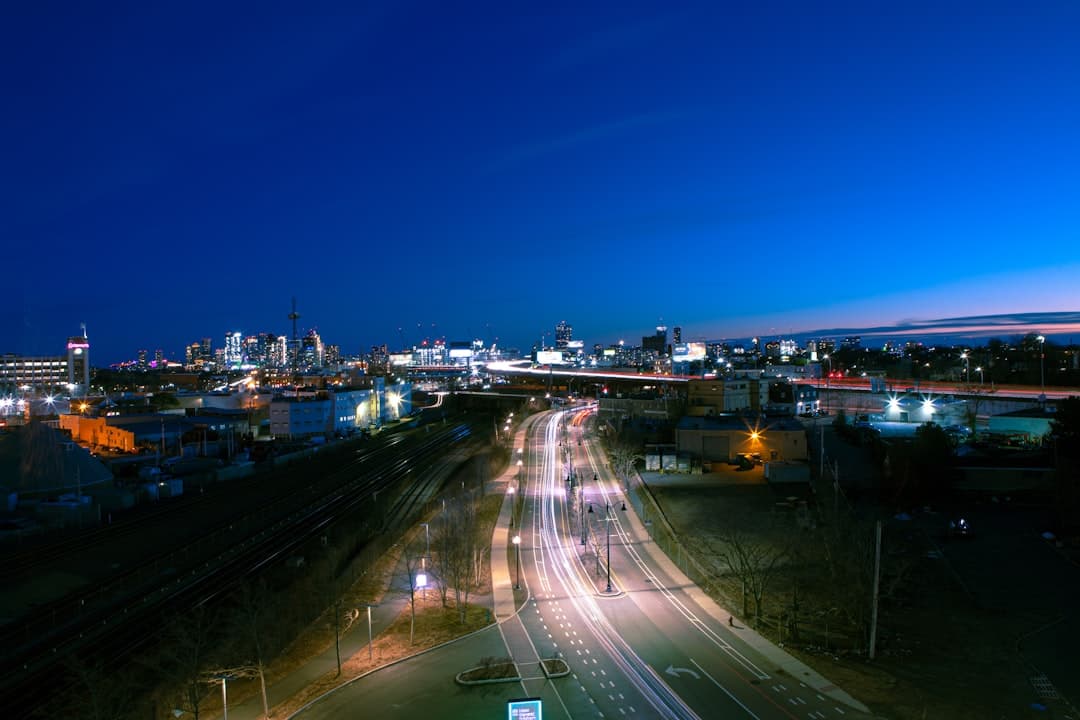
[[486, 174], [1059, 328]]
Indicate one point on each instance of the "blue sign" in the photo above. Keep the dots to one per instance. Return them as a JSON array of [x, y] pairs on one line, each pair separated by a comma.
[[527, 709]]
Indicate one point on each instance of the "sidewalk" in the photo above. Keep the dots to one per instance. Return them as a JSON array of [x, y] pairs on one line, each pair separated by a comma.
[[395, 600]]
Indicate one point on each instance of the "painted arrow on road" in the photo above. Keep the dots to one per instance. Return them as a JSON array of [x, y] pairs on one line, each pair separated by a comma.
[[676, 672]]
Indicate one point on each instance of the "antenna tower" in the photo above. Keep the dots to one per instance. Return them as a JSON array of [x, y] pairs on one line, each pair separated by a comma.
[[294, 316]]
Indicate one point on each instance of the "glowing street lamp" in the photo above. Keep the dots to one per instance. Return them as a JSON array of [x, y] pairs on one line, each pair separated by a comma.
[[980, 371], [510, 492], [517, 555], [608, 519], [371, 657], [1042, 364]]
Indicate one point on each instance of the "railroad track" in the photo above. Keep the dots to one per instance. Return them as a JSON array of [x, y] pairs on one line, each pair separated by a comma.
[[112, 619]]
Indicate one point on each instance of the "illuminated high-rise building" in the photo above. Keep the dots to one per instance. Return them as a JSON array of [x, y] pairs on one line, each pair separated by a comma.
[[78, 362], [234, 351], [311, 350], [564, 333]]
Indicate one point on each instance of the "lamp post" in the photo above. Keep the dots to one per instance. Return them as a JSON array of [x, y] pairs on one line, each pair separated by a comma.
[[980, 371], [828, 377], [510, 492], [1042, 365], [369, 638], [967, 366], [609, 519], [517, 561], [581, 508]]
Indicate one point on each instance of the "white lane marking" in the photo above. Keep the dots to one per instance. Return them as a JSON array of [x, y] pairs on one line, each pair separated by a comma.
[[726, 691]]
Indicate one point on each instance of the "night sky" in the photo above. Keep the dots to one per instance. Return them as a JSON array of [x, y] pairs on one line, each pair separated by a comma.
[[178, 170]]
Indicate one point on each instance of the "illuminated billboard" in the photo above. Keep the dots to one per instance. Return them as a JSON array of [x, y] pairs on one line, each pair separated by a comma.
[[549, 357], [528, 709], [688, 352], [461, 349]]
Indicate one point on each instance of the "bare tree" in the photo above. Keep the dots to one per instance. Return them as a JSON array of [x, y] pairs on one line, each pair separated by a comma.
[[753, 560], [411, 558], [184, 656], [458, 551], [96, 693], [251, 620], [976, 396], [624, 459], [442, 542]]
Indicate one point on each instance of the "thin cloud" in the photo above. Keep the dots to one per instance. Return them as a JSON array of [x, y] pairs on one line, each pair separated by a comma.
[[526, 152]]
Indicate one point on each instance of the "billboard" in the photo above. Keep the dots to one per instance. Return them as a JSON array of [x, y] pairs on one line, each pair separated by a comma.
[[688, 352], [460, 349], [528, 709], [549, 357]]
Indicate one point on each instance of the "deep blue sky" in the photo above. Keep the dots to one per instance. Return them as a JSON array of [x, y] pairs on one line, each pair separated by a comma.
[[173, 171]]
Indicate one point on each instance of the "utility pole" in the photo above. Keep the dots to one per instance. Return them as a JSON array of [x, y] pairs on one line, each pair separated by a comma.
[[877, 585], [821, 451]]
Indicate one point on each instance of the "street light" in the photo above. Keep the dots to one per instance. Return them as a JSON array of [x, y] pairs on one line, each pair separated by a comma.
[[1042, 364], [609, 520], [369, 638], [517, 555], [581, 508], [828, 377], [980, 371], [967, 366], [510, 492]]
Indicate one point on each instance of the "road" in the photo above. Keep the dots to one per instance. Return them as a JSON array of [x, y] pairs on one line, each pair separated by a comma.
[[655, 636], [655, 646]]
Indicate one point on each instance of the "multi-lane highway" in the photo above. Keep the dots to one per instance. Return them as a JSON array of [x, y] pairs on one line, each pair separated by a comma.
[[654, 645]]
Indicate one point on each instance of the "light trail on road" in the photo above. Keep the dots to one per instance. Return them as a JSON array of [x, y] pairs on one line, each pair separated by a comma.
[[557, 565]]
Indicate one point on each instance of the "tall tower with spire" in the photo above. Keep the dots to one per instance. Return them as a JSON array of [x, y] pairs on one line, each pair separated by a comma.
[[294, 344]]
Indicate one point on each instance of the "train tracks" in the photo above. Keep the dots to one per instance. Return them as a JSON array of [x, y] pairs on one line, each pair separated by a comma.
[[230, 543]]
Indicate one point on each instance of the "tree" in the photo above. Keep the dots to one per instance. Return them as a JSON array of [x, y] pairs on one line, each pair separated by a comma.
[[93, 692], [1065, 435], [925, 466], [413, 565], [753, 560], [184, 656], [250, 619], [624, 459], [976, 396], [458, 550]]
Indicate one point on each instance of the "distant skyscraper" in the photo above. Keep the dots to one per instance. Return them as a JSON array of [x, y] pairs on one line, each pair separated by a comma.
[[658, 342], [159, 357], [676, 335], [311, 350], [234, 351], [564, 333], [78, 361], [141, 363]]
